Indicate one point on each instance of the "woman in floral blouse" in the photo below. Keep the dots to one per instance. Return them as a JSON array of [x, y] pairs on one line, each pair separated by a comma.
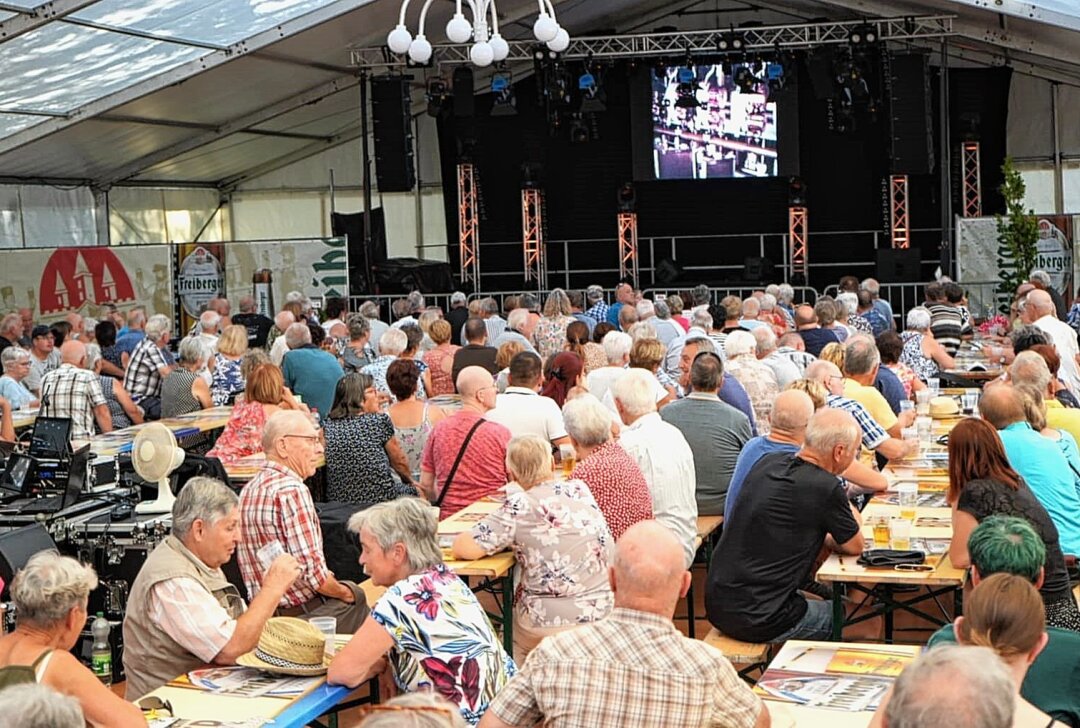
[[550, 333], [429, 624], [561, 542]]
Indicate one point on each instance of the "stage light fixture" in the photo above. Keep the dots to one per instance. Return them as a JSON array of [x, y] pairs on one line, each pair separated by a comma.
[[579, 130], [746, 81], [627, 197], [502, 87], [592, 96], [437, 94], [862, 35]]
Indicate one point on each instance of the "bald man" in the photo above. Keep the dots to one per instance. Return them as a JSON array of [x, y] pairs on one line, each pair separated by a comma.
[[634, 667], [789, 506], [72, 391], [814, 337], [464, 458], [276, 505], [1040, 311]]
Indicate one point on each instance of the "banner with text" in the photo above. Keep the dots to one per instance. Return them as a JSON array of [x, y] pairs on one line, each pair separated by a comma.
[[270, 269]]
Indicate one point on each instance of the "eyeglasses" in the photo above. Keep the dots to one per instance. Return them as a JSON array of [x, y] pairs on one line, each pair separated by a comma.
[[313, 438], [913, 567], [153, 705]]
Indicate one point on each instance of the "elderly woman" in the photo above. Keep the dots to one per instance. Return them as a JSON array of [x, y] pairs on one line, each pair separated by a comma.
[[429, 624], [362, 453], [756, 378], [648, 354], [613, 477], [562, 561], [122, 409], [413, 420], [50, 596], [264, 394], [357, 352], [550, 332], [16, 364], [847, 305], [393, 345], [184, 390], [1058, 394], [413, 338], [228, 380], [889, 346], [921, 351], [440, 358]]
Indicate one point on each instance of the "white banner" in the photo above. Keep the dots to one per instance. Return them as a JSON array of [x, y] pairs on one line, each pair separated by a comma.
[[316, 267]]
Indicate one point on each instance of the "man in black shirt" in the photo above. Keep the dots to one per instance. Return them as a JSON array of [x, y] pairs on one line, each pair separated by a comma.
[[475, 352], [258, 326], [815, 337], [457, 316], [789, 506]]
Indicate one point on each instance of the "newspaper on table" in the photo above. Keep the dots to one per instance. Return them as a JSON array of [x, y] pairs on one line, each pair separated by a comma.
[[248, 682]]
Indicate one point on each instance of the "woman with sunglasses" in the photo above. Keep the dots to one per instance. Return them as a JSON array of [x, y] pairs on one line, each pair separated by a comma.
[[50, 595]]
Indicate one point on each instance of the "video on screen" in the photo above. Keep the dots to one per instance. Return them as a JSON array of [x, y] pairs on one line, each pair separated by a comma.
[[714, 121]]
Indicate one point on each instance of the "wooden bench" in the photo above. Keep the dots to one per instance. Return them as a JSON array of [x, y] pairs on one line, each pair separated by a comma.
[[753, 655]]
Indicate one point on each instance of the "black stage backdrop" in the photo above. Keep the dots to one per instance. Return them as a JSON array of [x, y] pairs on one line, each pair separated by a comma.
[[845, 175]]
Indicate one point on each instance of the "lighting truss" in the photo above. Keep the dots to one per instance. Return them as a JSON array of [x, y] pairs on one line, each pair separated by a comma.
[[680, 44], [468, 225], [628, 245], [532, 236], [899, 228], [969, 154], [798, 235]]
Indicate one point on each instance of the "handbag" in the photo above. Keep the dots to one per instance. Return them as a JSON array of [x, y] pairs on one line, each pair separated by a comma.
[[889, 558], [457, 461]]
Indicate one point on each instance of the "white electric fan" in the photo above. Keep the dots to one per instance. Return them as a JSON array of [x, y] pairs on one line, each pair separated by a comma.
[[154, 455]]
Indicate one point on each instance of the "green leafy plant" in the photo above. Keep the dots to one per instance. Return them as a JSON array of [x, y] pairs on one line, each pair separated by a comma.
[[1018, 236]]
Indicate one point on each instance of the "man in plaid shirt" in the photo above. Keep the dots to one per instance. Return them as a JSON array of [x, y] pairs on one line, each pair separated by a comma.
[[148, 366], [73, 391], [276, 505], [634, 667], [598, 308]]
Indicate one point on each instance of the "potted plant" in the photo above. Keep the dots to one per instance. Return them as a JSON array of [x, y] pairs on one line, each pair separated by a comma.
[[1018, 236]]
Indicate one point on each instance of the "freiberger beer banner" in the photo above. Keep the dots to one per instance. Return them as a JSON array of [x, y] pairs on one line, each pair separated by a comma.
[[316, 267]]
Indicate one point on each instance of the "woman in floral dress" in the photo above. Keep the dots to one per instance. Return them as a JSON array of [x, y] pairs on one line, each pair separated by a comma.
[[429, 624], [550, 333]]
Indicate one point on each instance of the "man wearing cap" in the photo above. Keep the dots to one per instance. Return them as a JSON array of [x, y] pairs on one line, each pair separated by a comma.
[[183, 613], [43, 357]]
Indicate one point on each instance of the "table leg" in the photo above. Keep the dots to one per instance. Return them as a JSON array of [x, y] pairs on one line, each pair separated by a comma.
[[837, 611], [508, 613], [888, 614]]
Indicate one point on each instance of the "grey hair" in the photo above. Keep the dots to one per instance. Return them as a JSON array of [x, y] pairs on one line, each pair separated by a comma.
[[918, 319], [1040, 276], [50, 586], [594, 293], [587, 420], [785, 293], [766, 340], [457, 297], [517, 318], [12, 355], [1030, 368], [871, 285], [298, 297], [297, 335], [662, 310], [702, 319], [431, 711], [645, 309], [369, 310], [616, 345], [860, 356], [636, 391], [358, 326], [209, 320], [93, 353], [828, 428], [158, 325], [409, 521], [393, 342], [201, 499], [849, 300], [490, 306], [772, 290], [192, 350], [284, 319], [642, 330], [751, 307], [416, 301], [11, 323], [768, 302], [699, 294], [39, 706], [738, 343], [961, 687], [703, 343]]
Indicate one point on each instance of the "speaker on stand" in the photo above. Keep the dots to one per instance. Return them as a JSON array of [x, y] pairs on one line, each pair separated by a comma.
[[395, 169]]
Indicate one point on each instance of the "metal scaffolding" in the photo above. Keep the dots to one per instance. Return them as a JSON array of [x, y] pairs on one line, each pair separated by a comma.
[[532, 236], [628, 245], [899, 227], [468, 225], [798, 236], [682, 44], [969, 156]]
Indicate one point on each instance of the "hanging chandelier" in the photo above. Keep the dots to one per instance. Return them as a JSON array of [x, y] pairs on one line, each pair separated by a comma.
[[488, 45]]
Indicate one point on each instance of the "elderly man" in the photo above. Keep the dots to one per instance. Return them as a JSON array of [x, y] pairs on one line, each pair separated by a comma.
[[310, 372], [209, 328], [598, 308], [662, 454], [862, 365], [1039, 460], [457, 316], [519, 327], [148, 367], [882, 306], [257, 325], [731, 391], [792, 346], [789, 506], [1028, 369], [624, 296], [751, 312], [357, 352], [1040, 308], [598, 675], [43, 357], [130, 336], [577, 310], [280, 346], [617, 347], [1042, 278], [11, 328], [522, 410], [476, 352], [783, 368], [16, 363], [464, 457], [669, 332], [814, 337], [72, 391], [26, 314], [873, 317], [183, 612], [714, 430], [755, 377], [370, 311], [946, 321], [493, 322], [276, 505]]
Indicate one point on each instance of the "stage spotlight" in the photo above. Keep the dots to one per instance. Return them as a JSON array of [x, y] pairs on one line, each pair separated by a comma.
[[592, 97], [579, 130], [687, 89], [796, 192], [437, 94], [862, 35], [627, 197], [746, 81], [503, 88]]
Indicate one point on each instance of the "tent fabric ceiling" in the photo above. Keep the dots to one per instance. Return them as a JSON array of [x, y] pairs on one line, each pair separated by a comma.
[[219, 122]]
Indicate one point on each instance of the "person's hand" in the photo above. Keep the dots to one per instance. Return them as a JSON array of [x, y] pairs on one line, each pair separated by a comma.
[[282, 573], [5, 406], [906, 418]]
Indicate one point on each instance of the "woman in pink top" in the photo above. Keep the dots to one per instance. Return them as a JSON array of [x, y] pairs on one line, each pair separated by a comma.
[[440, 360], [264, 394]]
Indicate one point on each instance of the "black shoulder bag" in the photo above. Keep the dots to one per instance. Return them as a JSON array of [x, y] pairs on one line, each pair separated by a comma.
[[457, 461]]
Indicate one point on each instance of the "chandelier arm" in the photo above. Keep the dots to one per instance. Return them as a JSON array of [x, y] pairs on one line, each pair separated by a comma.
[[423, 15], [494, 16], [404, 10]]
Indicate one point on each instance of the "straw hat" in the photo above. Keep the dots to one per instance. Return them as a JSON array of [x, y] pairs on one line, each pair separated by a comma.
[[943, 407], [288, 646]]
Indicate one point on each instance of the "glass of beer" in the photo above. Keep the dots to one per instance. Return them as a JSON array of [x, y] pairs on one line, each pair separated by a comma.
[[900, 534], [568, 457], [881, 531], [908, 498]]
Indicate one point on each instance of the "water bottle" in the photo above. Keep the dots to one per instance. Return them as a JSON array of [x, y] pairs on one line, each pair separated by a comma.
[[315, 419], [101, 654]]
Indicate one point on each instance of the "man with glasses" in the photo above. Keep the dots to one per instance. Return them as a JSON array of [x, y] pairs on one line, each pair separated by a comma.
[[276, 506]]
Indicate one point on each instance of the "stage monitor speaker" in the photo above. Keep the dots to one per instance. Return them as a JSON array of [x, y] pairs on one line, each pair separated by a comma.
[[911, 122], [899, 264], [16, 548], [394, 163]]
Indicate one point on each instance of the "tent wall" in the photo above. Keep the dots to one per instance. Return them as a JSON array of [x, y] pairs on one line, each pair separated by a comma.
[[1044, 141], [40, 216], [141, 216]]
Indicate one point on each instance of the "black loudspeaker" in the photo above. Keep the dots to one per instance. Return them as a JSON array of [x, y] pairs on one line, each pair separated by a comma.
[[394, 164], [16, 548], [819, 66], [464, 101], [899, 264], [911, 122]]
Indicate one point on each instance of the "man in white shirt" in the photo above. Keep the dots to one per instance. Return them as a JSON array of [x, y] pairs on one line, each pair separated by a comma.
[[1040, 307], [522, 410], [783, 367], [617, 350], [662, 453], [209, 326]]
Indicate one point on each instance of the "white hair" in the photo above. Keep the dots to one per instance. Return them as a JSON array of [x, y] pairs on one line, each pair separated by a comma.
[[849, 300], [956, 686], [918, 319], [766, 340], [209, 321], [297, 335], [1030, 368], [192, 350], [393, 342], [645, 309], [768, 302], [702, 320], [772, 290], [205, 499], [518, 318], [457, 297], [751, 307], [587, 420], [158, 325], [1040, 276], [50, 586], [616, 346], [38, 706], [409, 521], [636, 392], [871, 285], [785, 293], [284, 319], [642, 330], [738, 343]]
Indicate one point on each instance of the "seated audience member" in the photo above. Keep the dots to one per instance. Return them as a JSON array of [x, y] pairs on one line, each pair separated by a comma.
[[567, 378], [617, 350], [505, 355], [440, 359], [279, 347], [147, 367], [362, 453], [39, 706], [921, 352], [521, 409], [788, 507], [608, 673], [50, 594], [475, 352], [44, 357], [1063, 337], [783, 368], [358, 351], [264, 394], [1039, 460], [464, 458], [228, 379], [714, 430], [183, 612], [662, 454], [11, 330], [648, 353], [959, 687], [256, 325], [889, 346], [814, 337], [1007, 545], [550, 331], [598, 308], [428, 624], [1031, 371], [413, 420], [276, 505], [1059, 392], [519, 328], [183, 390], [310, 373], [613, 477], [578, 341], [793, 347], [16, 363], [579, 539], [112, 363], [862, 364], [825, 313], [74, 391], [982, 484], [731, 392], [755, 377], [391, 346], [414, 337], [122, 411]]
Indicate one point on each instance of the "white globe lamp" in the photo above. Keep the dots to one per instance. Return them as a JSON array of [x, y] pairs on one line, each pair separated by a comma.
[[458, 30], [560, 42], [545, 28], [499, 47], [482, 54], [399, 39], [420, 50]]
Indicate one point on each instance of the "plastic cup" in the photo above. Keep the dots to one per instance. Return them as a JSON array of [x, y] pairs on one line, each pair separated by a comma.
[[900, 534], [908, 499], [906, 405], [925, 426], [970, 400], [922, 402], [328, 626], [934, 385], [568, 458]]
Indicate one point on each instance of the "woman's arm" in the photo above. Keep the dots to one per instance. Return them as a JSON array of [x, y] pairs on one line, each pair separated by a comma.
[[398, 461], [865, 476], [107, 367], [200, 390], [362, 657], [937, 352], [101, 706], [962, 525], [130, 408], [427, 382], [7, 425]]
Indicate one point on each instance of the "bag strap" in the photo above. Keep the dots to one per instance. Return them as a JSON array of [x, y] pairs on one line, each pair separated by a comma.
[[457, 461]]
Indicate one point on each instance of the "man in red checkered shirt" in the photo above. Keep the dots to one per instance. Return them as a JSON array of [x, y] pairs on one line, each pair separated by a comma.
[[276, 505]]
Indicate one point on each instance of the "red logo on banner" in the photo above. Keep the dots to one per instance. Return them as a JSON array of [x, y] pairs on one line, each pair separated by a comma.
[[74, 277]]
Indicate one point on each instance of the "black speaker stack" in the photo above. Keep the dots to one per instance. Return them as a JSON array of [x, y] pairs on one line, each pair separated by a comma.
[[395, 169], [911, 117]]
